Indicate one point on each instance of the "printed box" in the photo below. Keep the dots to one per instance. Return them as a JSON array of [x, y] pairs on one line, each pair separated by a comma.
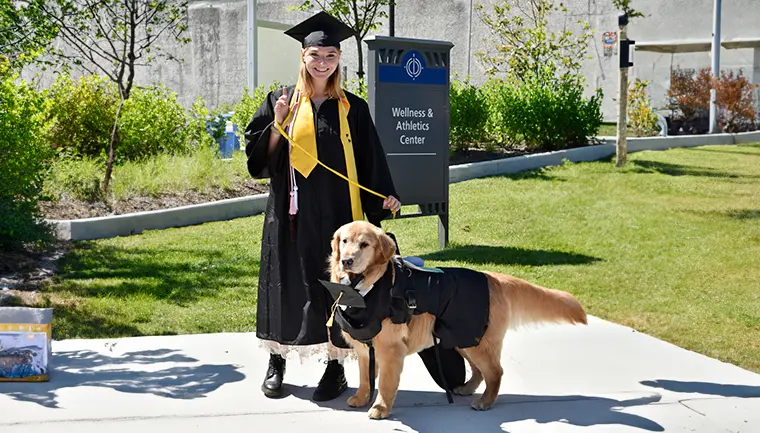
[[25, 349]]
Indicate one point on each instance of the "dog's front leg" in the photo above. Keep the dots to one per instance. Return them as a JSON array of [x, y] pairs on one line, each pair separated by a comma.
[[390, 362], [361, 398]]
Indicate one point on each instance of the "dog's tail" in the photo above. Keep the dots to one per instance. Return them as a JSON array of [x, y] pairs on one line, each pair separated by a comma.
[[528, 303]]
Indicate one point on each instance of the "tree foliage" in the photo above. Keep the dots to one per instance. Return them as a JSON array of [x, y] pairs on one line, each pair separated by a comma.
[[625, 7], [25, 32], [689, 98], [24, 159], [115, 37], [526, 47], [541, 88]]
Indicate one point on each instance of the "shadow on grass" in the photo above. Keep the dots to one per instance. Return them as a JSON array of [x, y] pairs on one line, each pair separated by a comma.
[[645, 166], [743, 214], [181, 378], [736, 214], [71, 321], [484, 254], [180, 276], [727, 152], [544, 173]]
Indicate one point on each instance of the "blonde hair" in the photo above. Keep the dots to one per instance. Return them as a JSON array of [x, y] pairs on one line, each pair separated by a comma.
[[306, 84]]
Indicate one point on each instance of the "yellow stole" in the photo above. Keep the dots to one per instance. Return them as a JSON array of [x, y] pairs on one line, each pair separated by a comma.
[[303, 156]]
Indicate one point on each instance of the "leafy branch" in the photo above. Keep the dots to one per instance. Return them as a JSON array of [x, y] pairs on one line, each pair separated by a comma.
[[625, 7]]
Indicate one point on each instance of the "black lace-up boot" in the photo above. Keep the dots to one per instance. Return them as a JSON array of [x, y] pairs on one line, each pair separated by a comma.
[[272, 386], [332, 384]]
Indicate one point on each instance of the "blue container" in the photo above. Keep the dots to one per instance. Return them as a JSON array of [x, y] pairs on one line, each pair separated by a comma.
[[228, 142], [231, 141]]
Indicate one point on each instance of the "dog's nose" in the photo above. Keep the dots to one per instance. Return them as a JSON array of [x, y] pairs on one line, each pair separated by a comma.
[[348, 262]]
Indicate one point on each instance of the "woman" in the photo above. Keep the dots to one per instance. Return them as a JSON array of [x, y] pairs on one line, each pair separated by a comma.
[[307, 202]]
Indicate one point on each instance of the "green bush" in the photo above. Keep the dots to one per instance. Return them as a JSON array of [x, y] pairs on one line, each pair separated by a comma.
[[357, 86], [197, 134], [468, 112], [82, 113], [499, 97], [543, 114], [151, 122], [78, 178], [556, 117], [23, 162], [247, 106], [641, 117]]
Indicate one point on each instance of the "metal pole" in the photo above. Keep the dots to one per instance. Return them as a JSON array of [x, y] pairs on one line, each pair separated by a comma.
[[621, 148], [253, 49], [715, 65], [469, 39], [392, 18]]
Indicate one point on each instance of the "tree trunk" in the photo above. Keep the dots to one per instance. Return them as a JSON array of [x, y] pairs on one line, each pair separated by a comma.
[[360, 71], [113, 143]]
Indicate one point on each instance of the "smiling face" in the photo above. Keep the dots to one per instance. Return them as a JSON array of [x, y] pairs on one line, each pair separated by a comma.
[[321, 62]]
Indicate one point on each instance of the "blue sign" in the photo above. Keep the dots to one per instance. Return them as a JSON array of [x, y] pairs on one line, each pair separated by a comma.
[[412, 70]]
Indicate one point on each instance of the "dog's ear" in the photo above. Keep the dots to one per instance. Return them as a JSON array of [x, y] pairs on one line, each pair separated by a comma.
[[387, 247], [334, 260]]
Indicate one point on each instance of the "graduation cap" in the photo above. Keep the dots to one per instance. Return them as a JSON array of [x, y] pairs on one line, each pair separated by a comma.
[[320, 30], [344, 294]]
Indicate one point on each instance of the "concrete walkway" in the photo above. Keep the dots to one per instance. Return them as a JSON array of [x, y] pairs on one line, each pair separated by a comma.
[[600, 378]]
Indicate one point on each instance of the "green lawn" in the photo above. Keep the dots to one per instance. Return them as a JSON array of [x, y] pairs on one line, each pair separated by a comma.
[[610, 130], [669, 245]]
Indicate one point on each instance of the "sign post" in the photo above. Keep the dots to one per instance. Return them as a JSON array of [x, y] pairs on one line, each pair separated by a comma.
[[408, 95]]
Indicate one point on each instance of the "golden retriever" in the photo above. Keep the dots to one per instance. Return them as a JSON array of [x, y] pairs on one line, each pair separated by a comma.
[[362, 248]]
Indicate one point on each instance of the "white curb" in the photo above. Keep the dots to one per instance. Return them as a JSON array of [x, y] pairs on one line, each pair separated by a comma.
[[134, 223]]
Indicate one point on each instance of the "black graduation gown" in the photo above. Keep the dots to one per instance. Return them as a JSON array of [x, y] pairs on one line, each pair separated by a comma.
[[292, 305]]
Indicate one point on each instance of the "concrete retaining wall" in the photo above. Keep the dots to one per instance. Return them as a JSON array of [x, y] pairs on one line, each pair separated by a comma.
[[134, 223], [459, 173]]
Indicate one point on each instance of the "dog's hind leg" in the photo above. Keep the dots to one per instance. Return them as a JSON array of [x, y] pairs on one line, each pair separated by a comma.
[[475, 380], [487, 358]]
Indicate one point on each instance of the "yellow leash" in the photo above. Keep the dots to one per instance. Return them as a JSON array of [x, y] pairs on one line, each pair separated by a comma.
[[290, 139]]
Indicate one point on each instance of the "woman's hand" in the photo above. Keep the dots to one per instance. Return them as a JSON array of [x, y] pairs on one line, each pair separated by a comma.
[[281, 107], [392, 203]]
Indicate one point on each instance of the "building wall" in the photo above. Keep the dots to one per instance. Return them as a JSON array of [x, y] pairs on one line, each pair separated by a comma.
[[215, 62]]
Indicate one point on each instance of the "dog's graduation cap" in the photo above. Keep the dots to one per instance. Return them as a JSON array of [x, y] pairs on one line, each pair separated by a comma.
[[344, 294], [320, 30]]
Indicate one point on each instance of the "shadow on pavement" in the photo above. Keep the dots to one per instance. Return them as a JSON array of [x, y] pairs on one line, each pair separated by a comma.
[[430, 412], [709, 388], [89, 368]]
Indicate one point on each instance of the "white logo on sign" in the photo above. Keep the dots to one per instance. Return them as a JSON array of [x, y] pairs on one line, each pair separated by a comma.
[[413, 67]]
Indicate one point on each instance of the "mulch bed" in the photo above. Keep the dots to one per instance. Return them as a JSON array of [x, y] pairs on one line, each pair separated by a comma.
[[71, 208]]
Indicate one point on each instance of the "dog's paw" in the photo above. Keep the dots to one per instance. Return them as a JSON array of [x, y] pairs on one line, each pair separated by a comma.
[[358, 400], [481, 404], [462, 390], [379, 411]]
